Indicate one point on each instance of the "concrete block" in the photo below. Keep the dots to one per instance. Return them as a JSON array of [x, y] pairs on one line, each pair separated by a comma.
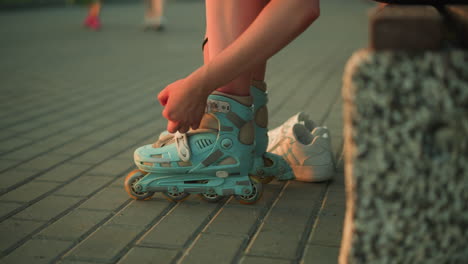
[[406, 157], [458, 14], [405, 27]]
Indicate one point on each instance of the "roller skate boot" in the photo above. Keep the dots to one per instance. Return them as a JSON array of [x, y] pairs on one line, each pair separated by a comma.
[[266, 165], [212, 161]]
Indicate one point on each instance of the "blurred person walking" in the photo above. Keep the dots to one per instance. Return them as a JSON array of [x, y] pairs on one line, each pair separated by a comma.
[[92, 20], [154, 15]]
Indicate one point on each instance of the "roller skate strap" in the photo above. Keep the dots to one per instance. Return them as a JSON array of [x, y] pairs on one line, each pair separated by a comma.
[[182, 145]]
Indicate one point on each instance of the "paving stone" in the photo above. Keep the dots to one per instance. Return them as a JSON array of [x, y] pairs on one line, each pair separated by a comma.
[[178, 226], [263, 260], [107, 199], [29, 191], [105, 243], [329, 227], [37, 251], [119, 182], [143, 255], [213, 248], [27, 126], [8, 207], [43, 162], [74, 147], [64, 172], [83, 186], [73, 225], [321, 254], [75, 262], [12, 231], [6, 133], [234, 221], [48, 208], [25, 154], [13, 177], [93, 157], [270, 193], [112, 167], [284, 227], [336, 196], [140, 213], [6, 163], [13, 143]]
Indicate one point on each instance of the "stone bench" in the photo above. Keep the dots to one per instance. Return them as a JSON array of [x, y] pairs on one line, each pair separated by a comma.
[[406, 139]]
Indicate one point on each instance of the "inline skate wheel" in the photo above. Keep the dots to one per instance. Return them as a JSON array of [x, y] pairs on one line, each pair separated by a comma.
[[211, 197], [132, 178], [176, 196], [254, 196], [263, 180]]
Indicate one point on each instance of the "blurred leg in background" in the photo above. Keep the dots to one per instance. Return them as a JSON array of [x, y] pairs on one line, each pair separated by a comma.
[[92, 20], [154, 15]]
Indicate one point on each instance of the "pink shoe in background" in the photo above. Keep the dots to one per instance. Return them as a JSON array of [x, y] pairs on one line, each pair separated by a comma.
[[92, 22]]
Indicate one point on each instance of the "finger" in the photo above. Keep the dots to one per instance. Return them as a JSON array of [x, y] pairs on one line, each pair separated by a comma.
[[172, 126], [183, 128], [196, 122], [163, 96], [165, 113]]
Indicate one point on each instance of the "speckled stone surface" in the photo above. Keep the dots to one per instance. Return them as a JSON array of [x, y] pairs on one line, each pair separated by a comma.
[[406, 152]]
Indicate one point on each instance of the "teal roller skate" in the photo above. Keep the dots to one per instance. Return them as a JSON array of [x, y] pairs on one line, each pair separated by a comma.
[[266, 165], [213, 161]]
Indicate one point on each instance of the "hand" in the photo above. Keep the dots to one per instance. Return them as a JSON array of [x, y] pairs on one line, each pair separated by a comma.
[[184, 104]]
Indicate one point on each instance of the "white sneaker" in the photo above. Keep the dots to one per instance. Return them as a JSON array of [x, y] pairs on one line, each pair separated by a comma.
[[309, 153], [277, 134]]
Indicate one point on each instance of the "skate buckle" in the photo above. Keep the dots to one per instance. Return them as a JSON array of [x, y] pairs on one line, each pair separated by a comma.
[[182, 145], [217, 106], [222, 174]]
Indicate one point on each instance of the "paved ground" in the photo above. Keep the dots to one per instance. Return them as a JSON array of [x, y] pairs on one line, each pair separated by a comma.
[[75, 104]]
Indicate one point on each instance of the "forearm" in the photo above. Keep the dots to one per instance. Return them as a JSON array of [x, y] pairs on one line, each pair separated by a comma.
[[277, 25]]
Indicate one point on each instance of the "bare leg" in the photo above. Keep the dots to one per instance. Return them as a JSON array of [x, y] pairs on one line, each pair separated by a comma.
[[158, 8], [226, 20], [95, 9]]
